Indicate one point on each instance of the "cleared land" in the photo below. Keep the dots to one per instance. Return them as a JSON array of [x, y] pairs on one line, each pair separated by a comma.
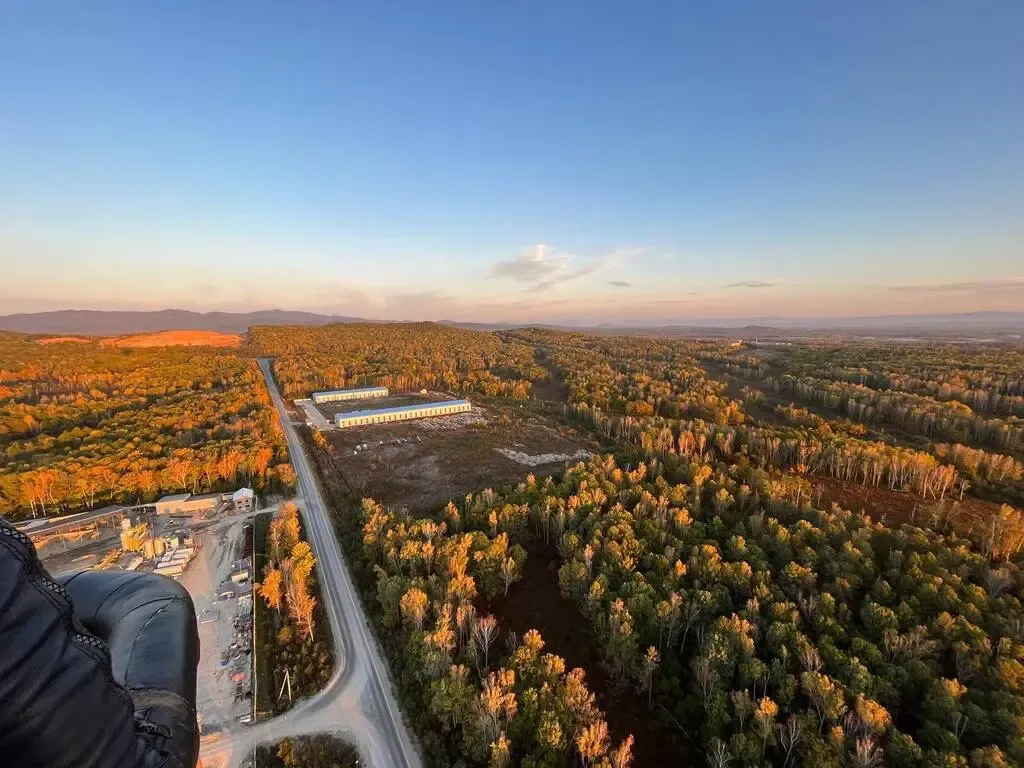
[[65, 340], [966, 516], [422, 464], [219, 707], [177, 339]]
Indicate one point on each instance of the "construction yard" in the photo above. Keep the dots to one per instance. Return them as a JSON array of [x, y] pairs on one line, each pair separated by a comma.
[[223, 602], [422, 464], [320, 416]]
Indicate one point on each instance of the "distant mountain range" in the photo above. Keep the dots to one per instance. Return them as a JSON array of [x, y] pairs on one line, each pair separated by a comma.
[[118, 323]]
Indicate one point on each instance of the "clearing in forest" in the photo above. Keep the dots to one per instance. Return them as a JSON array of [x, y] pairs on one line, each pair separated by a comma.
[[177, 339], [422, 464], [65, 340]]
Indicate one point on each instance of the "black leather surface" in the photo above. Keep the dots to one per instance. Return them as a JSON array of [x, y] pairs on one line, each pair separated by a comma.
[[149, 624], [62, 704]]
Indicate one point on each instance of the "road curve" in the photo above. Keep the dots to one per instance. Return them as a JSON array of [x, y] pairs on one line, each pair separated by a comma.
[[358, 703]]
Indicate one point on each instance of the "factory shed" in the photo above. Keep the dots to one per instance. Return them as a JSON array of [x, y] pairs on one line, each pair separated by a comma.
[[401, 413], [336, 395]]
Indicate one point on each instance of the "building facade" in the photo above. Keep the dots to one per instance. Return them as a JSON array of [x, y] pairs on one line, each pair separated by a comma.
[[244, 499], [336, 395], [401, 413], [188, 504]]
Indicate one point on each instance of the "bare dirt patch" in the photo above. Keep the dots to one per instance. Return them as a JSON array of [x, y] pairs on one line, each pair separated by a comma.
[[422, 464], [177, 339], [555, 390], [898, 507]]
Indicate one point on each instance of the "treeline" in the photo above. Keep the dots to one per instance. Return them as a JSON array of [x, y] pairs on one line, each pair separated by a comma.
[[397, 355], [801, 451], [82, 424], [974, 366], [777, 634], [802, 417], [1001, 395], [320, 751], [950, 420], [476, 701], [291, 636], [636, 377], [993, 472]]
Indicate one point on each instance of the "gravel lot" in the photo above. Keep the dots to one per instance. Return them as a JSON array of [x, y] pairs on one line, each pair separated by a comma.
[[218, 707]]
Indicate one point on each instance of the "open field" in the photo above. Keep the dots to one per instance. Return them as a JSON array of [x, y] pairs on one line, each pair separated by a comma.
[[64, 340], [422, 464], [177, 339]]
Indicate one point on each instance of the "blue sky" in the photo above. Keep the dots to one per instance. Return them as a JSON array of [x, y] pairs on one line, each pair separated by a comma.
[[627, 162]]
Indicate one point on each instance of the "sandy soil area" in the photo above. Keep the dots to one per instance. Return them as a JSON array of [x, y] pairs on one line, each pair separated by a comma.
[[218, 708]]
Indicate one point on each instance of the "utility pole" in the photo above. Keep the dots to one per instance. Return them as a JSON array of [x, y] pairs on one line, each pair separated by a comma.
[[286, 682]]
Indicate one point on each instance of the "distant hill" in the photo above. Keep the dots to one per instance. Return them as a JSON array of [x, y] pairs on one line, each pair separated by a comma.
[[115, 323]]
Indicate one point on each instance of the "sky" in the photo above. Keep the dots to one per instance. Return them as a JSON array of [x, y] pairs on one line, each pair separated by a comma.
[[576, 161]]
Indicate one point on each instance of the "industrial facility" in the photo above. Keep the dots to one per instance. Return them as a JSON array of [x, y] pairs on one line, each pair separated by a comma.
[[336, 395], [241, 500], [400, 413]]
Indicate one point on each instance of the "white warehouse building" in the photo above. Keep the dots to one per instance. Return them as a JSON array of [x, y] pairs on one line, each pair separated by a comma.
[[335, 395], [401, 413]]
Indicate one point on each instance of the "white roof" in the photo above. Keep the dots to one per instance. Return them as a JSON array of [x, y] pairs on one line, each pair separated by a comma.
[[398, 409], [353, 391], [243, 493]]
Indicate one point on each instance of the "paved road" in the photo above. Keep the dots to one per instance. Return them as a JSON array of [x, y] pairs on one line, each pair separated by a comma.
[[358, 702]]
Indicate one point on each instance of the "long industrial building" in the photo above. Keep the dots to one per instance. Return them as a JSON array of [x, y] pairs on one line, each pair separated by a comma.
[[335, 395], [401, 413]]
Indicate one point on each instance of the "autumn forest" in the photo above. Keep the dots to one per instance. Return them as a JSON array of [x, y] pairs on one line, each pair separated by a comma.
[[787, 554], [783, 554], [83, 425]]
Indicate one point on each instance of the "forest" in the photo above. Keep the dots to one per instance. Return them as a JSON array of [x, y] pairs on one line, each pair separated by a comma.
[[784, 554], [83, 425], [756, 623], [294, 656], [320, 751], [403, 356]]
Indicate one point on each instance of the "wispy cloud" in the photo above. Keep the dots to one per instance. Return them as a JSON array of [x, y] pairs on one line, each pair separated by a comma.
[[620, 283], [752, 284], [973, 286], [542, 267], [537, 264]]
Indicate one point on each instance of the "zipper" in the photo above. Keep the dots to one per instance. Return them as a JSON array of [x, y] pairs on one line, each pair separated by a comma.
[[36, 572]]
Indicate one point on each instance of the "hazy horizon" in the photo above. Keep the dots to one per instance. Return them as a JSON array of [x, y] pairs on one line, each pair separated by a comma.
[[117, 322], [566, 163]]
